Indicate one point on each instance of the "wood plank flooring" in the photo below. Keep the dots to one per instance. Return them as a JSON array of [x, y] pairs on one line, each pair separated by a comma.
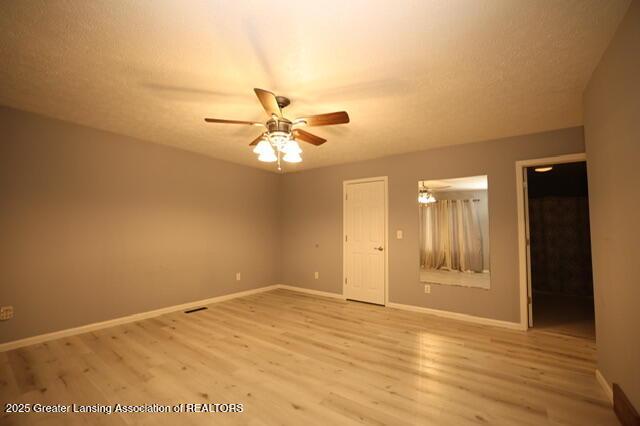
[[296, 359]]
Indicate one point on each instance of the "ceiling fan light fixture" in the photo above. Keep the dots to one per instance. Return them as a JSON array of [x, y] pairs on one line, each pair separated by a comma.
[[279, 139], [426, 197], [268, 157], [263, 147], [292, 157], [292, 147]]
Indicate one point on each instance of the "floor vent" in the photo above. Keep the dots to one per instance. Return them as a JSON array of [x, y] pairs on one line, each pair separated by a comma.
[[190, 311]]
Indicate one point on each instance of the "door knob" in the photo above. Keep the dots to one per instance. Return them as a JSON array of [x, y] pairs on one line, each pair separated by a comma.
[[378, 248]]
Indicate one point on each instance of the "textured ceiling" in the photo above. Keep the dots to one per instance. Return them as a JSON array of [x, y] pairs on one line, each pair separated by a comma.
[[411, 74]]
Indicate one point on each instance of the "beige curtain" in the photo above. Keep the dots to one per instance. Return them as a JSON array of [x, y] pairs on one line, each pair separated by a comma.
[[450, 236]]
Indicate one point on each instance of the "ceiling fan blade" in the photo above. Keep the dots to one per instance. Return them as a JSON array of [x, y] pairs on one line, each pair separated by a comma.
[[256, 140], [301, 135], [269, 102], [325, 119], [220, 120]]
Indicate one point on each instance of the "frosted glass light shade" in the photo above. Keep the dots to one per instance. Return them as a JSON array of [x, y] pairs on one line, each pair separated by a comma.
[[292, 147], [263, 147], [268, 157], [291, 157]]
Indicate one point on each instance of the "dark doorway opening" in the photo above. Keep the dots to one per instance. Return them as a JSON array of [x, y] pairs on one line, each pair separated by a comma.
[[560, 249]]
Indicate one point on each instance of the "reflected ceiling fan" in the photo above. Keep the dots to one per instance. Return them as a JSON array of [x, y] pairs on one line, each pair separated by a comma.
[[281, 135], [426, 188]]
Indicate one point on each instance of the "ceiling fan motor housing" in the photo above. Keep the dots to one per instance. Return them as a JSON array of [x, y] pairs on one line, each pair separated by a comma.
[[279, 125]]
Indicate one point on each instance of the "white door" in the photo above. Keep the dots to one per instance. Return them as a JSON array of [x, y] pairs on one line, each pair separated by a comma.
[[365, 241]]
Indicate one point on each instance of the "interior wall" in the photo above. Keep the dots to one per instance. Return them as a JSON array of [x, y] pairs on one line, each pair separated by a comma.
[[612, 135], [312, 220], [96, 226]]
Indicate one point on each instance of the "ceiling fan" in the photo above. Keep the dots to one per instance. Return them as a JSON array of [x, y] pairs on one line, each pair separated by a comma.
[[281, 135], [426, 188]]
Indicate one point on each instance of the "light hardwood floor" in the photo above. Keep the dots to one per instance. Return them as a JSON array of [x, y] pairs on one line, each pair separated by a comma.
[[297, 359]]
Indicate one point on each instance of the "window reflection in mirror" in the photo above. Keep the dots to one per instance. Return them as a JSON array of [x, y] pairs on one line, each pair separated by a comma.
[[454, 231]]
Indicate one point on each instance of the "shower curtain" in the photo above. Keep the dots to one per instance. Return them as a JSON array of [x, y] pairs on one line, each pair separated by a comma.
[[560, 245], [450, 236]]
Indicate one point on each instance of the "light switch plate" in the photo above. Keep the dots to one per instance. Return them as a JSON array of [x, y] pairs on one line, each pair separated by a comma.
[[6, 313], [427, 288], [237, 276], [316, 275], [399, 234]]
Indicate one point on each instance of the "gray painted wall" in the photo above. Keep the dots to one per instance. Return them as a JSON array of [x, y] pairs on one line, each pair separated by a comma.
[[312, 220], [96, 226], [612, 133]]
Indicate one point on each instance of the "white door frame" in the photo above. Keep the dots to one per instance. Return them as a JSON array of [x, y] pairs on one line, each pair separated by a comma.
[[386, 231], [522, 239]]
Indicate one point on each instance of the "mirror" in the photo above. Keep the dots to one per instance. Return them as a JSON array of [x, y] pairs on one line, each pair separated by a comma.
[[454, 231]]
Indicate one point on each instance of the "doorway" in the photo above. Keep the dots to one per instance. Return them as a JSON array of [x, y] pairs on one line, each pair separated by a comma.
[[365, 240], [558, 248]]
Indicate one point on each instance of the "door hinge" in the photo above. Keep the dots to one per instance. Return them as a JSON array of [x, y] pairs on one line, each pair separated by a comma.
[[529, 301], [346, 238], [346, 196], [345, 280]]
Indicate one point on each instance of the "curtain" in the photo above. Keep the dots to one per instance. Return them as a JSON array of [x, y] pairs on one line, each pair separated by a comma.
[[560, 245], [451, 237]]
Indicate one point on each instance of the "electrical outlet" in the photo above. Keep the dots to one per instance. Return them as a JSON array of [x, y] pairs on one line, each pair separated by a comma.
[[427, 288], [6, 313], [237, 276], [399, 234], [316, 275]]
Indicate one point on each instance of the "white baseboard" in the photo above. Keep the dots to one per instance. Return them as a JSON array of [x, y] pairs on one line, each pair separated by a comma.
[[127, 319], [157, 312], [309, 291], [604, 385], [458, 316], [437, 312]]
